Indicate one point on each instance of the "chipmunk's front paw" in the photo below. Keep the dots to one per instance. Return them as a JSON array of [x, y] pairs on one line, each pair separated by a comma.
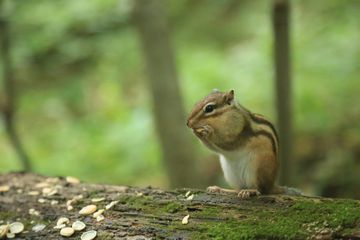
[[247, 193], [216, 189]]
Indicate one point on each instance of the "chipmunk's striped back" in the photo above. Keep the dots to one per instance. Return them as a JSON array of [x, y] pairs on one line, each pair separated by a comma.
[[267, 128], [262, 126]]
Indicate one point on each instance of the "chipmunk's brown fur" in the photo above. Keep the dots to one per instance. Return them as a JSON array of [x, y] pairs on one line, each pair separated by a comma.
[[247, 143]]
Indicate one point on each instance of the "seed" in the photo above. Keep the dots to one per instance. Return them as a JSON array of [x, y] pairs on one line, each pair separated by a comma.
[[78, 197], [34, 212], [98, 213], [110, 205], [89, 209], [49, 191], [52, 180], [53, 192], [72, 180], [78, 225], [41, 200], [89, 235], [60, 226], [38, 227], [185, 220], [46, 190], [189, 198], [67, 231], [69, 207], [4, 188], [33, 193], [10, 235], [100, 218], [42, 185], [187, 193], [54, 202], [97, 199], [16, 227], [62, 220]]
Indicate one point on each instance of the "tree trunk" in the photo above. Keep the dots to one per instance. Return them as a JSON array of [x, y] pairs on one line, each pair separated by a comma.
[[281, 26], [7, 102], [178, 153], [156, 214]]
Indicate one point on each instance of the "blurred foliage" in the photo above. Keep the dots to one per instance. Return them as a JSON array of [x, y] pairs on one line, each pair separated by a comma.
[[84, 108]]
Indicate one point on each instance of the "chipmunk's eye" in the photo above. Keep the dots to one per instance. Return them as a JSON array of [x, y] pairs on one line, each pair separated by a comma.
[[209, 108]]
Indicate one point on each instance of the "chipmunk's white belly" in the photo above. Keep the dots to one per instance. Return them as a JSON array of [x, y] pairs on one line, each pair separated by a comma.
[[238, 169]]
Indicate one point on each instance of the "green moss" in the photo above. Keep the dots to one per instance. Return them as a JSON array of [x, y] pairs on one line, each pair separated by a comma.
[[6, 216], [105, 236], [210, 212], [344, 213], [282, 222], [173, 207]]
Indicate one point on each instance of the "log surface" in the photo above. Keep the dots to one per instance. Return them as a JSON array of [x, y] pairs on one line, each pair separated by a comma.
[[148, 213]]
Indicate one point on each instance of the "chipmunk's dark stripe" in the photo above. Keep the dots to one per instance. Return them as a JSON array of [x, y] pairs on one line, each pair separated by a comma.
[[260, 120], [268, 135]]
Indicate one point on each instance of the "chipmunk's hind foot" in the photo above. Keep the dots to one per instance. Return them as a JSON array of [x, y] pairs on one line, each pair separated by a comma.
[[247, 193]]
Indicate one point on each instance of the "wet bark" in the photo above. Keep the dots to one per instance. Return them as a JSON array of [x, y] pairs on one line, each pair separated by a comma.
[[149, 213]]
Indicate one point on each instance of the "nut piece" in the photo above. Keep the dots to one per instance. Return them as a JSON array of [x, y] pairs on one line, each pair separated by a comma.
[[52, 180], [38, 227], [42, 185], [67, 231], [78, 225], [89, 209], [60, 226], [49, 191], [98, 213], [98, 199], [4, 188], [33, 193], [185, 220], [100, 218], [16, 227], [189, 198], [89, 235], [72, 180], [10, 235], [34, 212], [110, 205], [62, 220]]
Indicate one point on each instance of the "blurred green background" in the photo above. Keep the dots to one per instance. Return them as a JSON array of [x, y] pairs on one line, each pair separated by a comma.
[[84, 108]]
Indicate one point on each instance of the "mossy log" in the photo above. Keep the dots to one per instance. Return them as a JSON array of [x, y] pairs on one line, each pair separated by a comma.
[[149, 213]]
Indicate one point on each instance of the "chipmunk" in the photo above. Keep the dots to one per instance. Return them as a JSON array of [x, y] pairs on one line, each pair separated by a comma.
[[246, 142]]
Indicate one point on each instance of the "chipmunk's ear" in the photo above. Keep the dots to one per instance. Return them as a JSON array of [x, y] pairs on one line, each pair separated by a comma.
[[229, 97]]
